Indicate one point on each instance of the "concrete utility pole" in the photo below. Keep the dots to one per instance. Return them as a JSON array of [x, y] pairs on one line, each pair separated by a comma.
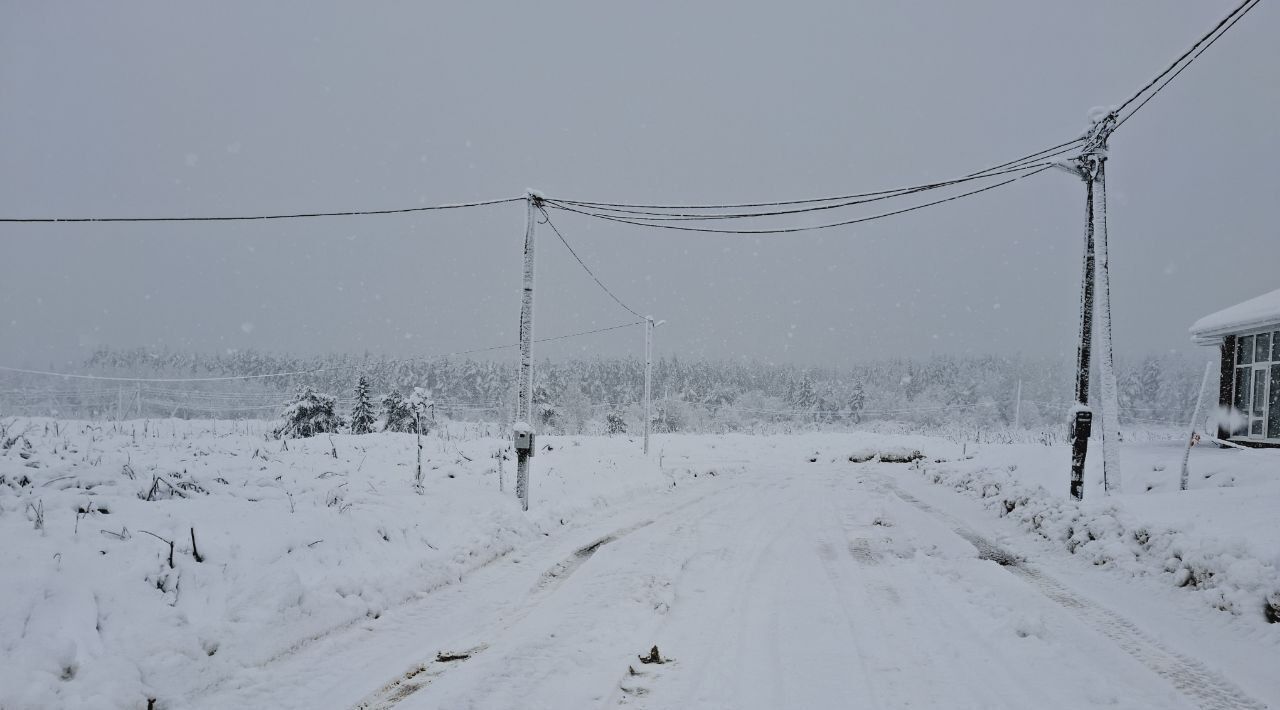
[[1017, 409], [1107, 387], [523, 434], [648, 379], [1088, 166], [649, 326]]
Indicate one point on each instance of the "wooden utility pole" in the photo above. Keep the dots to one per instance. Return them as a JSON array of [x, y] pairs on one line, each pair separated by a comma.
[[523, 434]]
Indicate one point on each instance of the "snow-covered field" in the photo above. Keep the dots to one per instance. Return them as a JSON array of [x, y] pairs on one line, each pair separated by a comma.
[[203, 565]]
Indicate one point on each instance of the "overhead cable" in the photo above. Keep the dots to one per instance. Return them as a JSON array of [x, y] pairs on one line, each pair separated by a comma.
[[650, 215], [791, 230], [584, 266], [1234, 17], [239, 218], [1239, 11]]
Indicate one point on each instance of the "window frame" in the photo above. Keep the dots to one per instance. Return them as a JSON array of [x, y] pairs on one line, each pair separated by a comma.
[[1246, 365]]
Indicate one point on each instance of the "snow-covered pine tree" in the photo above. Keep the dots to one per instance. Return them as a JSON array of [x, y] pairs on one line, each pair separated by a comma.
[[857, 400], [615, 424], [396, 415], [1149, 380], [806, 396], [362, 418], [547, 413], [311, 413]]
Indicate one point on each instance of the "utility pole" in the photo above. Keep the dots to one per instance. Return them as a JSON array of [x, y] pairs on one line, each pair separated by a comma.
[[648, 379], [523, 435], [649, 326], [1088, 167], [1107, 388], [1017, 409]]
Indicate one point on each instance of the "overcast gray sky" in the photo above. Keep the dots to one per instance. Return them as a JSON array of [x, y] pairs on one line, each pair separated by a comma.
[[177, 108]]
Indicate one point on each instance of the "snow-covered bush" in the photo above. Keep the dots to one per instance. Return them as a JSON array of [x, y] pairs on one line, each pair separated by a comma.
[[311, 413], [396, 415], [548, 413], [422, 409]]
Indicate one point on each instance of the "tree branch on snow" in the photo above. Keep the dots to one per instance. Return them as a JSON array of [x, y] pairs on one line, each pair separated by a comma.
[[167, 542], [195, 552]]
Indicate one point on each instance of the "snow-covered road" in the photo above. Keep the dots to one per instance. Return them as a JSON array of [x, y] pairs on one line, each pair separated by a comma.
[[822, 585]]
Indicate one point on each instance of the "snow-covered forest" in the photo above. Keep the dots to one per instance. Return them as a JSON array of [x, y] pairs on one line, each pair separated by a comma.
[[578, 396]]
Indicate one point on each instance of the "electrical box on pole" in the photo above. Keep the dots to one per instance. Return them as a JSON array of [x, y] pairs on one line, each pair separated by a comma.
[[523, 434]]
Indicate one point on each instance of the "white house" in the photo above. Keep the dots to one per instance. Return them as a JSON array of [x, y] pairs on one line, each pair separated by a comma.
[[1248, 337]]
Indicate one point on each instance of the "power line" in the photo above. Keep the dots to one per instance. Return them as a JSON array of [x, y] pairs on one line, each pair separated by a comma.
[[300, 215], [584, 266], [1185, 54], [1251, 4], [107, 378], [835, 198], [586, 332], [649, 215], [790, 230], [1038, 155]]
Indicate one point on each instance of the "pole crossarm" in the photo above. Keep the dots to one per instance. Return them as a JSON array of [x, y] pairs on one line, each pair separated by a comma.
[[1087, 163]]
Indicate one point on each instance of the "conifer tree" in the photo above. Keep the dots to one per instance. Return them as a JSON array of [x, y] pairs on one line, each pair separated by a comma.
[[396, 415], [311, 413], [362, 414]]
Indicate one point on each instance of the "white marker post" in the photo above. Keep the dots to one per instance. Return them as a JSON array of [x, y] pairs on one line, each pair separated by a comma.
[[1195, 419]]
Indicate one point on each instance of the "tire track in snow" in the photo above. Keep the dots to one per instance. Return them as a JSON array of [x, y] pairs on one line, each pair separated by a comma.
[[770, 518], [898, 601], [562, 569], [414, 679], [1201, 685], [422, 674], [861, 552]]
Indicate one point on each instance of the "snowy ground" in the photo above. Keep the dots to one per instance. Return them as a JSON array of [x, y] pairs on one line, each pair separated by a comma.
[[772, 572]]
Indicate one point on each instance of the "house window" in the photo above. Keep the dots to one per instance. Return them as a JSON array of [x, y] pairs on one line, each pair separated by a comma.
[[1273, 416], [1256, 394], [1240, 398], [1244, 350], [1259, 400]]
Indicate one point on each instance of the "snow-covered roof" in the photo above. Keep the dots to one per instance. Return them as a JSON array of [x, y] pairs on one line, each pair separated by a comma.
[[1257, 312]]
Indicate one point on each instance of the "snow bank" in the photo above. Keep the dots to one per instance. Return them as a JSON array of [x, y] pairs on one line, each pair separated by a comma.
[[887, 453], [151, 559], [1224, 572]]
